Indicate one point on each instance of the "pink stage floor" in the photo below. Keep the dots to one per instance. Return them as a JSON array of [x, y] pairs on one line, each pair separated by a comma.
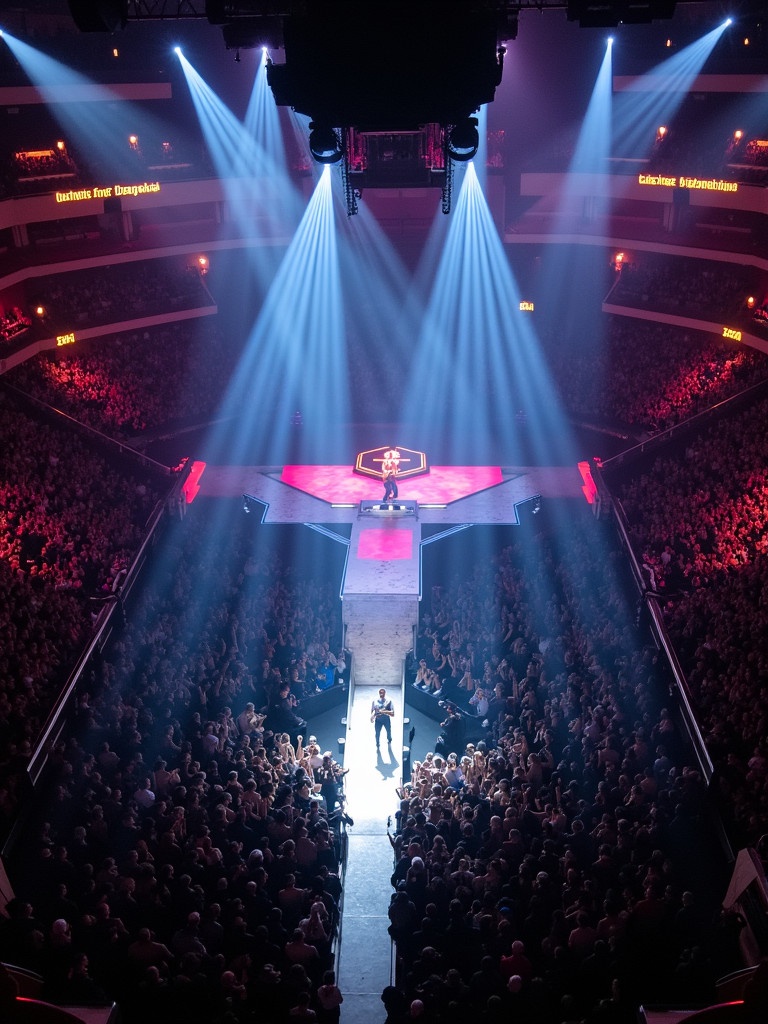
[[441, 486]]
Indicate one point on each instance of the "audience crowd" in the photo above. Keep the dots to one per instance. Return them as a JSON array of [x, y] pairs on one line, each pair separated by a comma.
[[630, 375], [70, 522], [69, 518], [556, 870], [41, 168], [685, 147], [191, 833], [13, 324], [705, 289], [126, 384], [698, 518], [748, 160], [42, 165], [101, 295], [641, 378], [556, 867], [191, 840], [646, 377]]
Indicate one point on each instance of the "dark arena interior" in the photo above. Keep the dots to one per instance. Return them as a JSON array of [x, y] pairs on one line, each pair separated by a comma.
[[383, 506]]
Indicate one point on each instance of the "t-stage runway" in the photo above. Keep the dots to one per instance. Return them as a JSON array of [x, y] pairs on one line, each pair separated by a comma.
[[380, 594]]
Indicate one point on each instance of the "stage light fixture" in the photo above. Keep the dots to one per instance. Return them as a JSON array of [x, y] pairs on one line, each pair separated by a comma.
[[610, 13], [325, 143], [463, 140]]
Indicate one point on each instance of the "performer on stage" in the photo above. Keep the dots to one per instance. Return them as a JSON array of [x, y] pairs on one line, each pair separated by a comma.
[[382, 710], [389, 469]]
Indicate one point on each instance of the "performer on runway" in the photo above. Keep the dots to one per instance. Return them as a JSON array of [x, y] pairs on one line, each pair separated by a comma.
[[381, 712], [389, 469]]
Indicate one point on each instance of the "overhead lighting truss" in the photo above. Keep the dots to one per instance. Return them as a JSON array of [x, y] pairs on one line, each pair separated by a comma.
[[218, 12]]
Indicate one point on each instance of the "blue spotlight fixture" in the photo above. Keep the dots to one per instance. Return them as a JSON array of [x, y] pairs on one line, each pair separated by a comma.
[[462, 140], [177, 50], [325, 143]]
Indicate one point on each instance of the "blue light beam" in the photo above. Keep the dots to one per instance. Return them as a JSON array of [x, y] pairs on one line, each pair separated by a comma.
[[383, 314], [643, 103], [260, 194], [262, 118], [594, 142], [95, 120], [479, 377], [581, 198], [295, 358]]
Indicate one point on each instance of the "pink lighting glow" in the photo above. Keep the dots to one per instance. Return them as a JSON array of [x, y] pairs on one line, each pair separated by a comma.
[[385, 545], [442, 485]]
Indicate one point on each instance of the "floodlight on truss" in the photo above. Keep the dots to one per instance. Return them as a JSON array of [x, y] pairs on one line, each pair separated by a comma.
[[462, 140], [325, 143]]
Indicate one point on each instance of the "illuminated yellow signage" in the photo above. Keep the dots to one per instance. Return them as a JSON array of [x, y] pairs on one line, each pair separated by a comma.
[[729, 332], [526, 307], [657, 179], [700, 184], [107, 192], [65, 339]]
